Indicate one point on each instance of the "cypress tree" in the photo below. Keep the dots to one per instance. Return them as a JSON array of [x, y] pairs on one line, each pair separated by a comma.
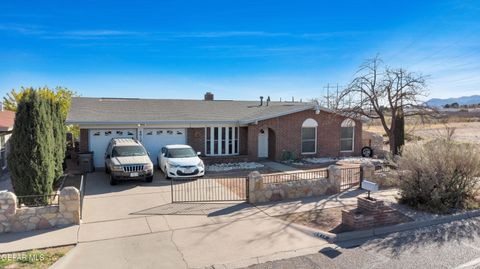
[[31, 161], [59, 136]]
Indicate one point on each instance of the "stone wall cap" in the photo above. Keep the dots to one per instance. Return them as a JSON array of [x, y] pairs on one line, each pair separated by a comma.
[[254, 174], [8, 195], [69, 191]]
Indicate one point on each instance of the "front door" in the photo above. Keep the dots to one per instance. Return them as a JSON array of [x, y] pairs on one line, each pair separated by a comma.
[[263, 143]]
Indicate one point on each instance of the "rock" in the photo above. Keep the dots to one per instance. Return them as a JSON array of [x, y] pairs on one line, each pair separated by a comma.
[[43, 224], [34, 219]]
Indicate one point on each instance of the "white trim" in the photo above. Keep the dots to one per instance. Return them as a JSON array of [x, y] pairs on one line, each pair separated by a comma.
[[227, 140], [309, 123], [219, 142]]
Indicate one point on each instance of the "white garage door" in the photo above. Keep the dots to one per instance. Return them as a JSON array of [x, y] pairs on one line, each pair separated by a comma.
[[155, 139], [99, 139]]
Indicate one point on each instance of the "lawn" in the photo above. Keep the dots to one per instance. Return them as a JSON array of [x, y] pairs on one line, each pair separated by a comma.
[[38, 259]]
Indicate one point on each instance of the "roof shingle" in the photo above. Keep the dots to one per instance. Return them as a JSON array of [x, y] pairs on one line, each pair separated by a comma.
[[89, 110]]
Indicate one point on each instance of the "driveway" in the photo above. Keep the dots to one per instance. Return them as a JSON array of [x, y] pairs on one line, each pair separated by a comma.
[[134, 225]]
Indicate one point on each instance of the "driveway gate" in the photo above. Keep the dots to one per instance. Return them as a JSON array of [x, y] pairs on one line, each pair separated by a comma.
[[351, 177], [209, 189]]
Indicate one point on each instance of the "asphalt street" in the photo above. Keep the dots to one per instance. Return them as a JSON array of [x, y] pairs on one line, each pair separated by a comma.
[[452, 245]]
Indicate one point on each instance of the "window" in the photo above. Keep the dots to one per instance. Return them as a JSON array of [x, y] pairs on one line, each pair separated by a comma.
[[221, 141], [347, 132], [309, 136]]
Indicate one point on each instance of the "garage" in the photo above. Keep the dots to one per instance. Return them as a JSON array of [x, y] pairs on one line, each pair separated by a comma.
[[155, 139], [99, 139]]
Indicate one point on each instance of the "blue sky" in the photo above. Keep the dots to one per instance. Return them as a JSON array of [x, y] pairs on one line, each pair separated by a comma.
[[236, 49]]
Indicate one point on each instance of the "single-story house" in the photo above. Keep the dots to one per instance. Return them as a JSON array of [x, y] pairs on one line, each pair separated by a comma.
[[7, 119], [222, 130]]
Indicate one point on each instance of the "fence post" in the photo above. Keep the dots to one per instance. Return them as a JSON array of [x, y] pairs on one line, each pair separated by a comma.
[[367, 171], [335, 177], [255, 182]]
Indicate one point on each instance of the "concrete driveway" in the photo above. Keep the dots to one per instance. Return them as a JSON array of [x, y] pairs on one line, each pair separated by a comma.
[[134, 225]]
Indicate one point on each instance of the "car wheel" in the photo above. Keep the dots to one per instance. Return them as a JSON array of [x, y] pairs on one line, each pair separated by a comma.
[[113, 181], [367, 152], [149, 179], [166, 173]]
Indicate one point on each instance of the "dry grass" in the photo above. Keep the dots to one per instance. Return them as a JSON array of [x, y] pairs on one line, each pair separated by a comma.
[[39, 259], [329, 219], [465, 131]]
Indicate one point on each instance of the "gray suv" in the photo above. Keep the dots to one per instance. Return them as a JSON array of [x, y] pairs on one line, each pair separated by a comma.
[[126, 158]]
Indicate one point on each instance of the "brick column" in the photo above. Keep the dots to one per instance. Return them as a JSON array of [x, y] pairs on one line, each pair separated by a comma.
[[335, 176], [69, 201], [255, 183]]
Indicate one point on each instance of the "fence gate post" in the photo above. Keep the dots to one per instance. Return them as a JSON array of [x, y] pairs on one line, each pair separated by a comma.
[[367, 170], [361, 177]]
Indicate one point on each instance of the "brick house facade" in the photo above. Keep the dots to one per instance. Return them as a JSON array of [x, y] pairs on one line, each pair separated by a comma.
[[272, 131]]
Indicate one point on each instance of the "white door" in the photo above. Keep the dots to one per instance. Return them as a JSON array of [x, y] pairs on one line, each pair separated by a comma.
[[155, 139], [263, 143], [98, 140]]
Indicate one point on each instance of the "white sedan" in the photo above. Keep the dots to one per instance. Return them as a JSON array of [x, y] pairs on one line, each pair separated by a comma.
[[180, 161]]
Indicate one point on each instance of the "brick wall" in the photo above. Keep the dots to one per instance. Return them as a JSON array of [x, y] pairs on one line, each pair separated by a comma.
[[84, 140], [196, 139], [287, 136]]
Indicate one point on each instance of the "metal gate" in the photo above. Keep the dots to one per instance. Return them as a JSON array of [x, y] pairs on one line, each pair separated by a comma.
[[209, 189], [351, 177]]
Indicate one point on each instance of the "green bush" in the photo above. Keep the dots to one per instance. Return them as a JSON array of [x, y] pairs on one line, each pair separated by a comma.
[[31, 161], [440, 175], [37, 145]]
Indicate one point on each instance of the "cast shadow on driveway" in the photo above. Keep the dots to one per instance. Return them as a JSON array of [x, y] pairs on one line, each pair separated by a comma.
[[206, 209]]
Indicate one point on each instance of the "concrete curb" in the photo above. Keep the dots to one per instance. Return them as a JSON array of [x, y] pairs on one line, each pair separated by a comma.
[[347, 236]]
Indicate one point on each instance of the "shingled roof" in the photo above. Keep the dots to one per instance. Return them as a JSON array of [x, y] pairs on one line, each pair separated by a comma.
[[87, 110]]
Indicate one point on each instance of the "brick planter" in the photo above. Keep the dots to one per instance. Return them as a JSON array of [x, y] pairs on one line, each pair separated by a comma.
[[368, 214]]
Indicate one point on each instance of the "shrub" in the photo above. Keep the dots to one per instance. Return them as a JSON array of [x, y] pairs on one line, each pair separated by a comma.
[[31, 161], [440, 175]]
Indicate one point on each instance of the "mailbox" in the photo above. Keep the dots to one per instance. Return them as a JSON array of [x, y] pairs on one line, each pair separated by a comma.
[[369, 186]]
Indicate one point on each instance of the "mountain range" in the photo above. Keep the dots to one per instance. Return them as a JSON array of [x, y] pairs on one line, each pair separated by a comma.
[[464, 100]]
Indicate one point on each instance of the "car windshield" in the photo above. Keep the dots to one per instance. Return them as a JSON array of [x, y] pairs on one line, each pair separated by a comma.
[[124, 151], [181, 153]]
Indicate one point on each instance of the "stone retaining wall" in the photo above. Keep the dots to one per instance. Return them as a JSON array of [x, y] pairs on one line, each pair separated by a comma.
[[260, 192], [13, 219]]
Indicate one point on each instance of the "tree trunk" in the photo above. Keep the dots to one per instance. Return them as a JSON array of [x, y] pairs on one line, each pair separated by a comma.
[[392, 143], [399, 132]]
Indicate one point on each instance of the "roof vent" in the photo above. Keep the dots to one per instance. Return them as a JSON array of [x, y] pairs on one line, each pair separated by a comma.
[[261, 100], [208, 96]]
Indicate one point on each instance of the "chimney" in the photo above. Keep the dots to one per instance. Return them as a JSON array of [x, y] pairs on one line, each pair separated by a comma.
[[268, 100], [261, 100], [208, 96]]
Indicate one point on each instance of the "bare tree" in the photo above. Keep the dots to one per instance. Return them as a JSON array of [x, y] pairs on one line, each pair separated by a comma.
[[387, 94]]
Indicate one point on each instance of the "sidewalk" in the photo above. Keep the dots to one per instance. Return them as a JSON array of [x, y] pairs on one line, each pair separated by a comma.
[[14, 242]]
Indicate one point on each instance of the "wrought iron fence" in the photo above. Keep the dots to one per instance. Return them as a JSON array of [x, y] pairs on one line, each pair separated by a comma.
[[295, 176], [209, 189], [37, 200], [351, 176], [82, 192]]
